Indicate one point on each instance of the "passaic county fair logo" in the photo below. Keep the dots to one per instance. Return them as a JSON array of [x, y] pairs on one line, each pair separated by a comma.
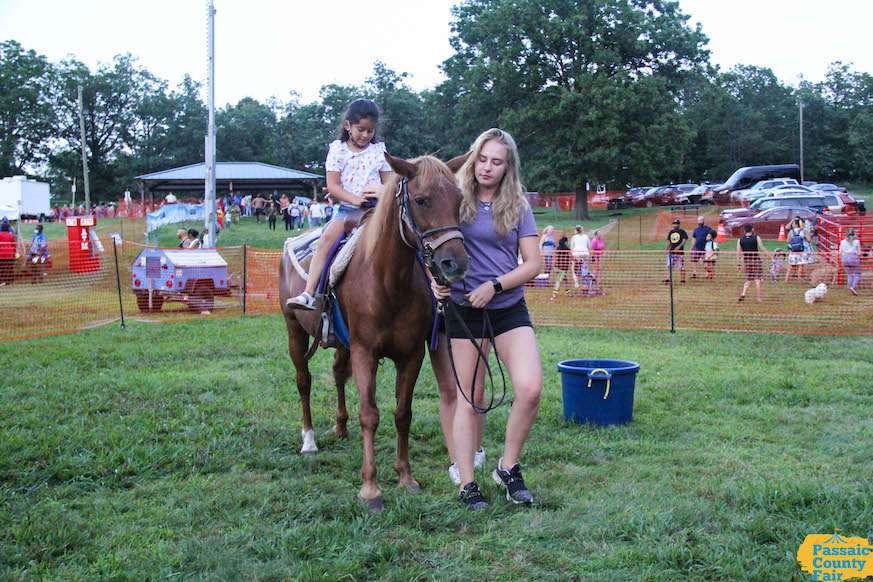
[[833, 557]]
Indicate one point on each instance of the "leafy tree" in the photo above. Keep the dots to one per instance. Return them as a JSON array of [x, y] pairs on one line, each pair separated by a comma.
[[246, 132], [588, 87], [113, 100], [26, 112]]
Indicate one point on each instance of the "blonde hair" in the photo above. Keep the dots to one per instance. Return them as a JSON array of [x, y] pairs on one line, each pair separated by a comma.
[[578, 229], [509, 200], [850, 234]]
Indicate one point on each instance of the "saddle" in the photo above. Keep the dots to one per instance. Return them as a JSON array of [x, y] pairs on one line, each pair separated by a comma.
[[333, 332]]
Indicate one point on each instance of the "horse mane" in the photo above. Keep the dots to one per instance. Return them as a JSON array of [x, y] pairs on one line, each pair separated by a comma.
[[385, 217]]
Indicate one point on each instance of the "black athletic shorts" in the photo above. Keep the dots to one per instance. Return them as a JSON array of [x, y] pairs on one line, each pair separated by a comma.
[[502, 320]]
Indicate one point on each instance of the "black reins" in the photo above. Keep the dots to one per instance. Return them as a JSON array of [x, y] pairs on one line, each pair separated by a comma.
[[425, 250]]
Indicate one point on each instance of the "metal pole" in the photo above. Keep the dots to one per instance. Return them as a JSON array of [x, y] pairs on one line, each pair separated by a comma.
[[118, 279], [800, 103], [245, 283], [618, 236], [210, 221], [672, 314], [84, 156], [641, 230]]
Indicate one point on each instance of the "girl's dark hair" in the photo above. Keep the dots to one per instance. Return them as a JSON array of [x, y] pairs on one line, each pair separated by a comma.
[[358, 110], [192, 232], [4, 227]]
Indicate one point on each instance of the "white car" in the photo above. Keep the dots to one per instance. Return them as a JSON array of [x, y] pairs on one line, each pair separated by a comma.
[[740, 195]]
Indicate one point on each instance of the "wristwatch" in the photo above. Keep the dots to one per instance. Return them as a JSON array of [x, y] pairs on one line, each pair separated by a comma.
[[498, 287]]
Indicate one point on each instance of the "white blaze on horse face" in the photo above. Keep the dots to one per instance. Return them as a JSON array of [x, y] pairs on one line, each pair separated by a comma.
[[308, 442]]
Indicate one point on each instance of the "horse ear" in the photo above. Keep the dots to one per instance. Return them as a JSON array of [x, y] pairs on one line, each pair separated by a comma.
[[401, 166], [455, 163]]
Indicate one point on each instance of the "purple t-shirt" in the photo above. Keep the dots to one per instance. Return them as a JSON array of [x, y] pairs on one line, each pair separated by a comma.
[[492, 256]]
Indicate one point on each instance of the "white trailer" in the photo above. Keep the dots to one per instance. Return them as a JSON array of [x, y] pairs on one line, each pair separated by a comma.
[[29, 197]]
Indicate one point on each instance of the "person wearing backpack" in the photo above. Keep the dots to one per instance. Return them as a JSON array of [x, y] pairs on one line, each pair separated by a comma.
[[798, 247]]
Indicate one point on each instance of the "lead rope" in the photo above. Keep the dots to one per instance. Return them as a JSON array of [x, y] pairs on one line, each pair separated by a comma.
[[481, 357]]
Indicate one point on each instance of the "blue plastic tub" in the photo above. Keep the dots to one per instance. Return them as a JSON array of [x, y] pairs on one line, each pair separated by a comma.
[[598, 391]]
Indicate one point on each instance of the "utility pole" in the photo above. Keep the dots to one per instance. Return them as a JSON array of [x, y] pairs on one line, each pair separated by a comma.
[[800, 117], [210, 222], [84, 156], [800, 105]]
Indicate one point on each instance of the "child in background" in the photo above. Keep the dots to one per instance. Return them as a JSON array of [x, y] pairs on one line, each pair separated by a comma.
[[710, 254], [778, 264], [356, 169]]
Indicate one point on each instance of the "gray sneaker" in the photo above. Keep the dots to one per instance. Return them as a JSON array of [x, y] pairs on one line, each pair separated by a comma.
[[511, 480], [471, 497]]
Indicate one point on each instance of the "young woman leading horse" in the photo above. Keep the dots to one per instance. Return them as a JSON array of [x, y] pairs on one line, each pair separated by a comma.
[[386, 303]]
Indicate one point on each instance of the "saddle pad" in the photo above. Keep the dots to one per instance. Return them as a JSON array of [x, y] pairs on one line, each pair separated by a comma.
[[300, 247], [344, 257]]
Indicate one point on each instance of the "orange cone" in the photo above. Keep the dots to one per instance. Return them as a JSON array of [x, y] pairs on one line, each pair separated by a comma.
[[721, 236], [782, 232]]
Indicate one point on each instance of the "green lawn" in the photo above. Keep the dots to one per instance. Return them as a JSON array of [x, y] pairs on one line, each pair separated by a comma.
[[170, 452]]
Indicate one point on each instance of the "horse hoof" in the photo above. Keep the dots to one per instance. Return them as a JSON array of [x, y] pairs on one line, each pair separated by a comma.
[[309, 446], [340, 434], [412, 487], [374, 505], [308, 453]]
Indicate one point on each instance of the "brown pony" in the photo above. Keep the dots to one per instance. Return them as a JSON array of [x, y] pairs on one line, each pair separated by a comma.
[[386, 302]]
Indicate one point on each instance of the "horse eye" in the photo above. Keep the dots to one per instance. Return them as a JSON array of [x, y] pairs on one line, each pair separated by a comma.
[[422, 202]]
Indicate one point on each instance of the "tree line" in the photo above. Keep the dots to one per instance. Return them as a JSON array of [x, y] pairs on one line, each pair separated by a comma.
[[614, 92]]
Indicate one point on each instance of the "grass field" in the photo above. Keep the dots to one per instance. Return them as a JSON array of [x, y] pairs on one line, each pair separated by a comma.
[[170, 452]]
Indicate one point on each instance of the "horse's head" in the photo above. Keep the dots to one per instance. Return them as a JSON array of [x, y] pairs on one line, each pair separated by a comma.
[[429, 201]]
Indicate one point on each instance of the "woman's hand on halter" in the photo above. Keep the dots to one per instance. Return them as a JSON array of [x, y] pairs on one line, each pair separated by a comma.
[[439, 291], [481, 295]]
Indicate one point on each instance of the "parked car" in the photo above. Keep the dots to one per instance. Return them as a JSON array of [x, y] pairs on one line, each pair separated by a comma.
[[646, 199], [664, 195], [700, 195], [747, 176], [828, 187], [814, 202], [741, 195], [627, 200], [840, 203], [783, 190], [767, 222]]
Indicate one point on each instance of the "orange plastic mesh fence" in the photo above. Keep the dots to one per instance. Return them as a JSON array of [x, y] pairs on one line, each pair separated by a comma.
[[618, 289]]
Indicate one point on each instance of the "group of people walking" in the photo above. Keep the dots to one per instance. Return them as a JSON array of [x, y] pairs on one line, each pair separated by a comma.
[[580, 256]]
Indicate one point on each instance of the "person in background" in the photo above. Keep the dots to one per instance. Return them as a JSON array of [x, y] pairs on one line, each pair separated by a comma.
[[547, 247], [850, 256], [316, 213], [710, 254], [272, 213], [799, 247], [676, 250], [777, 264], [294, 212], [7, 253], [259, 204], [193, 239], [284, 203], [580, 245], [182, 235], [597, 246], [564, 264], [247, 205], [698, 249], [749, 247]]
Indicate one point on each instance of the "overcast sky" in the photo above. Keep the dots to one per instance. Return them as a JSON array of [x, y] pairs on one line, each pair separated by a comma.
[[271, 47]]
